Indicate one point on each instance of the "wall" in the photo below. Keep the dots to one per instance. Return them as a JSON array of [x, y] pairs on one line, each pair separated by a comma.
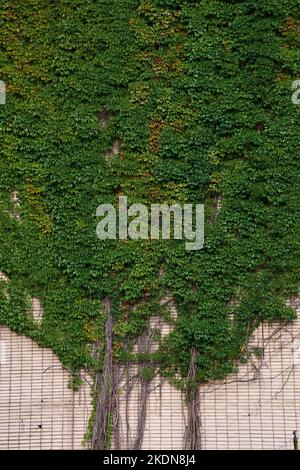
[[37, 409], [254, 409]]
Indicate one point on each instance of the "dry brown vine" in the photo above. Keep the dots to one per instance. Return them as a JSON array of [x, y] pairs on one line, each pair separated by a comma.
[[104, 386]]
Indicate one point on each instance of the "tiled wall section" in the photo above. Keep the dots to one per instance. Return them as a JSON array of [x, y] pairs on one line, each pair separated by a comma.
[[258, 408], [37, 409]]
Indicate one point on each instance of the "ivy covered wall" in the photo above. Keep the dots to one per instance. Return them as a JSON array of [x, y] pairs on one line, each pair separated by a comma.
[[164, 102]]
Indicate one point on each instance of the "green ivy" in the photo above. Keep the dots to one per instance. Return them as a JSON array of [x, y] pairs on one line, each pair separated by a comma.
[[198, 97]]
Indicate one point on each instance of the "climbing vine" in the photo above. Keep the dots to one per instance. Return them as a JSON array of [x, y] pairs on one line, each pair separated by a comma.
[[164, 102]]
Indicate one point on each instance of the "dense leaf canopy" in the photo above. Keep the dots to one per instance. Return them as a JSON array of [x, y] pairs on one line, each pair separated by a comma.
[[196, 98]]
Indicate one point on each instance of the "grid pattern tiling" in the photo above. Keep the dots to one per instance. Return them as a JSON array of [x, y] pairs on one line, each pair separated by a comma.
[[253, 409], [37, 409]]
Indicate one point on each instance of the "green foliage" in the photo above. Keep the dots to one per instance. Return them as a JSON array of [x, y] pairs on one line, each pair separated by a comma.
[[198, 94], [147, 373]]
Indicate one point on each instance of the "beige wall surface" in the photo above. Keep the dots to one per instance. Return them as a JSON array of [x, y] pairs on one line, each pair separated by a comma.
[[257, 408], [37, 409]]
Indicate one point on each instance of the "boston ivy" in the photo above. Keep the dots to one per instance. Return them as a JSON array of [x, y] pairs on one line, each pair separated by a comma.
[[162, 102]]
